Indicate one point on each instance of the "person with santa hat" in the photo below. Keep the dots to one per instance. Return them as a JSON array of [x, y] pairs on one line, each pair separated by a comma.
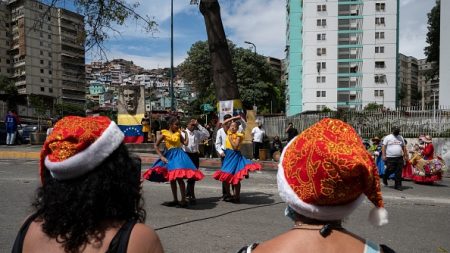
[[324, 174], [90, 197]]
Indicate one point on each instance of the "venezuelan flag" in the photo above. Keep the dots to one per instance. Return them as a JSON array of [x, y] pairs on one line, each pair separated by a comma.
[[131, 127]]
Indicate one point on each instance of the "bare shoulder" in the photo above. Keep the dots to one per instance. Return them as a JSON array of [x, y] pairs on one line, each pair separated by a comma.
[[143, 239]]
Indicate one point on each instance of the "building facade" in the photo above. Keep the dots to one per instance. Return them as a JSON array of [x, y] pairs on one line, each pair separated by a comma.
[[44, 51], [444, 59], [341, 54], [409, 94], [429, 89]]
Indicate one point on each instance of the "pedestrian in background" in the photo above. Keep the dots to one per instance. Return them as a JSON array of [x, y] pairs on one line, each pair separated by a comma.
[[195, 133], [258, 133], [276, 148], [319, 199], [291, 132], [145, 122], [395, 156], [11, 128], [90, 199]]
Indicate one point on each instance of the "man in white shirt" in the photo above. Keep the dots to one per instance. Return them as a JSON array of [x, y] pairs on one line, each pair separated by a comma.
[[196, 134], [258, 133], [394, 155]]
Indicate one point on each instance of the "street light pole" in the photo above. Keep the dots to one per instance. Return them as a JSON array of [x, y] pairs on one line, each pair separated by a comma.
[[254, 46], [434, 105], [172, 104]]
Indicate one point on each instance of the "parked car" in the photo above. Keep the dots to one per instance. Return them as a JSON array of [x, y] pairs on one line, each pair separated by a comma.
[[26, 132]]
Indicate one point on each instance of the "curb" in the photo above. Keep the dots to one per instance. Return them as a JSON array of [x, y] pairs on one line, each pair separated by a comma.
[[147, 159]]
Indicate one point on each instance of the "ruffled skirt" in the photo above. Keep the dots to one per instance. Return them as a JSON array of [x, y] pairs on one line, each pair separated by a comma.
[[235, 167], [179, 166]]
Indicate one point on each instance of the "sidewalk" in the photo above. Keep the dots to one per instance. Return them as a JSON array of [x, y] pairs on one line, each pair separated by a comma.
[[31, 152]]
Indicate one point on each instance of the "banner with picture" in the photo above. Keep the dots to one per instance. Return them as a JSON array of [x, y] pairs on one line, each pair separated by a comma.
[[131, 109]]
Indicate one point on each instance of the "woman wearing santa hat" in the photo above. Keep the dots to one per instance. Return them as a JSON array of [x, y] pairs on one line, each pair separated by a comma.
[[90, 199], [323, 175]]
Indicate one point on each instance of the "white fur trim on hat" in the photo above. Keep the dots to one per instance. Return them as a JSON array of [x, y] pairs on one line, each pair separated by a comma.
[[91, 157]]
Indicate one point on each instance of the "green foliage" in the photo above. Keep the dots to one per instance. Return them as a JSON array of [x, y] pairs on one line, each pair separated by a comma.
[[433, 37], [373, 107], [8, 92], [326, 109], [69, 109], [256, 80]]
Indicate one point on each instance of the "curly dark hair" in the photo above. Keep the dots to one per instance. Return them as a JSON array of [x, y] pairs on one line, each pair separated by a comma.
[[74, 211]]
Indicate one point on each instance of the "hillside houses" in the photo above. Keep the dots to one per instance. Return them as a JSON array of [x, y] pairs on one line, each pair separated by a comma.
[[104, 78]]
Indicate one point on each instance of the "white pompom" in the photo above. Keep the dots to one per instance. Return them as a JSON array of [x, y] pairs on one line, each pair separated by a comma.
[[378, 216]]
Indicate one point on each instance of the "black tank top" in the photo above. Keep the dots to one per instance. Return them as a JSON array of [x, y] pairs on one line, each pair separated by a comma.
[[119, 243]]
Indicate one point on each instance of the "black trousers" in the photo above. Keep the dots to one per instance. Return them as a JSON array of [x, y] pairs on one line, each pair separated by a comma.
[[256, 147], [195, 158], [394, 165]]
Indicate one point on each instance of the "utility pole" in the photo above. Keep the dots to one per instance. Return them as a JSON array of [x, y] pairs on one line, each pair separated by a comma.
[[172, 104], [251, 43]]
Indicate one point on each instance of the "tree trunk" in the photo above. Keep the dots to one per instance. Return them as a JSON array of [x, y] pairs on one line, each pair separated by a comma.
[[223, 76]]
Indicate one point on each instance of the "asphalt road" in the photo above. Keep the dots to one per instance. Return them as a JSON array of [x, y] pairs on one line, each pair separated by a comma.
[[419, 216]]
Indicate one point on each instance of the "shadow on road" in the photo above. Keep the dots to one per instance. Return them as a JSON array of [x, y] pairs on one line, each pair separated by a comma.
[[219, 215], [256, 198]]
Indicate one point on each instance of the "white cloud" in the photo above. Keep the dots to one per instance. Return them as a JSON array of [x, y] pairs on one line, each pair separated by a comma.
[[413, 26], [257, 21], [157, 60]]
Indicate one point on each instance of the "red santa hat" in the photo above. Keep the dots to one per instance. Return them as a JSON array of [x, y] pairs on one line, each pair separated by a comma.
[[77, 145], [325, 172]]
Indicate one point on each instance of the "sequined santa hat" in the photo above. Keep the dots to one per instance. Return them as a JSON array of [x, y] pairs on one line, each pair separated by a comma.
[[325, 172], [77, 145]]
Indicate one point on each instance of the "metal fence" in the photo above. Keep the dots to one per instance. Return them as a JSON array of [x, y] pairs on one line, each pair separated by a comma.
[[368, 124]]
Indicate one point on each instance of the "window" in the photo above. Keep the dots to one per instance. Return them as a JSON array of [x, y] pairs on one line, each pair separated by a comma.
[[380, 78], [380, 65], [8, 61], [321, 7], [49, 27], [320, 107], [42, 89], [380, 6], [321, 79], [42, 52], [379, 50], [322, 22], [49, 36], [321, 51], [50, 54], [320, 66], [49, 72], [42, 34], [321, 36], [379, 93], [50, 90], [40, 7], [321, 93], [41, 43], [379, 21], [42, 61], [42, 71], [379, 35], [50, 81]]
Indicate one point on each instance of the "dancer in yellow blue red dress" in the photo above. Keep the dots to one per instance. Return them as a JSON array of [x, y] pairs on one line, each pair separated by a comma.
[[174, 165], [235, 166]]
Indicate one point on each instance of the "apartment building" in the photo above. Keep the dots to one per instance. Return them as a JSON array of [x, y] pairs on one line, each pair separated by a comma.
[[44, 51], [341, 54], [429, 89], [409, 94], [444, 59]]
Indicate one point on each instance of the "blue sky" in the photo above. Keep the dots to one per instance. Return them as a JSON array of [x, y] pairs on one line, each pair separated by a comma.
[[262, 22]]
